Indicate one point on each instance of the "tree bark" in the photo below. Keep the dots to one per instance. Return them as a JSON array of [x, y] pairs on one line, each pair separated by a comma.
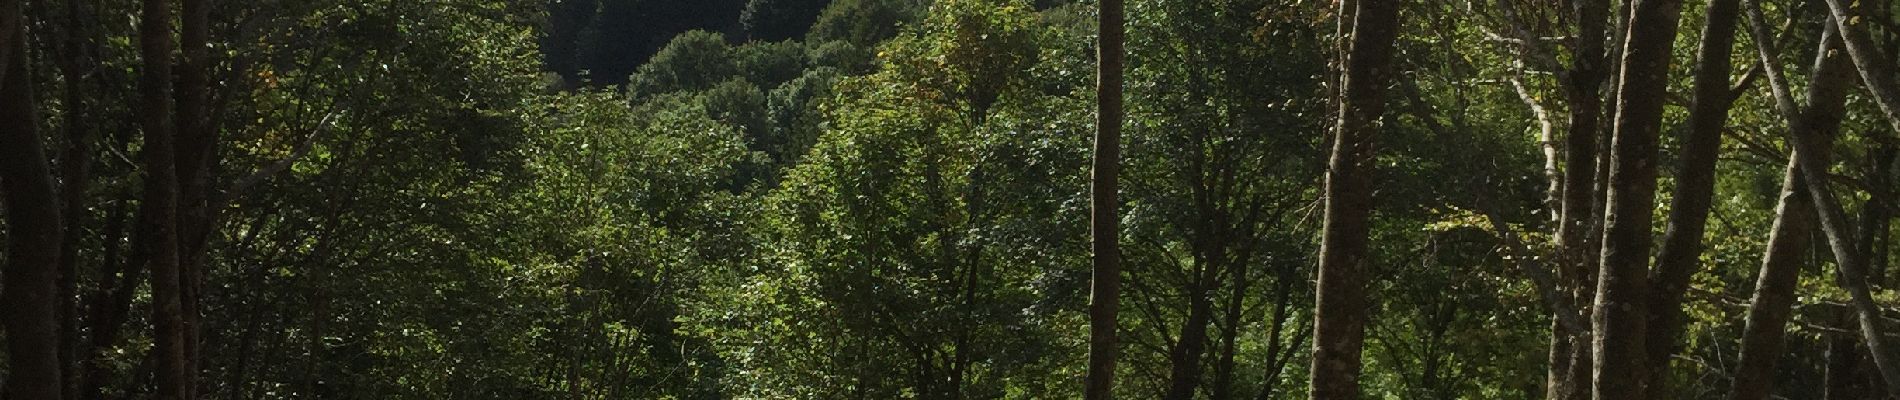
[[76, 177], [1678, 260], [1341, 309], [195, 151], [1104, 219], [1846, 376], [1852, 272], [1623, 279], [159, 206], [109, 303], [1568, 372], [29, 302], [1876, 70], [1793, 226]]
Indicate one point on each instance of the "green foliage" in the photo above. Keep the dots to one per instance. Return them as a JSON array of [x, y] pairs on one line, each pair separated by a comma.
[[694, 60], [864, 23], [891, 204]]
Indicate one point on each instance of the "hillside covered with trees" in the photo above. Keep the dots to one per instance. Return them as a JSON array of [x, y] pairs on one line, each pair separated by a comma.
[[949, 199]]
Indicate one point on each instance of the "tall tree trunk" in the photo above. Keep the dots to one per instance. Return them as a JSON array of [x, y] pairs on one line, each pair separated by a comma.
[[76, 175], [193, 164], [1568, 373], [1623, 279], [1793, 226], [1341, 309], [29, 303], [1677, 261], [1104, 221], [158, 208], [1852, 272]]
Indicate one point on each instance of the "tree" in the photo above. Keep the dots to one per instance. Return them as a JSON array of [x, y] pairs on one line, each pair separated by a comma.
[[1852, 273], [29, 294], [1768, 310], [158, 213], [1623, 280], [1682, 243], [1340, 319], [1104, 221]]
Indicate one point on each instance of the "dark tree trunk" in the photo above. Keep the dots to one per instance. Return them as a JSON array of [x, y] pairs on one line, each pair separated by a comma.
[[1846, 377], [29, 303], [1877, 214], [1231, 319], [109, 303], [11, 22], [1184, 373], [76, 175], [195, 141], [1568, 376], [1340, 319], [158, 209], [1623, 279], [1104, 220], [1677, 261], [1808, 145], [1276, 328]]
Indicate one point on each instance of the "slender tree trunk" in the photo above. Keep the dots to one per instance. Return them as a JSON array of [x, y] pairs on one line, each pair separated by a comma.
[[12, 23], [1568, 380], [1340, 319], [1185, 357], [1623, 280], [1875, 68], [194, 150], [76, 175], [1229, 338], [110, 301], [1276, 328], [1774, 291], [1876, 215], [159, 213], [1852, 272], [1792, 234], [1104, 220], [1846, 376], [1677, 261], [29, 303]]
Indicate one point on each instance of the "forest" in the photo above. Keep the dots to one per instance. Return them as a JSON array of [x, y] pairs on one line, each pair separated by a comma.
[[949, 199]]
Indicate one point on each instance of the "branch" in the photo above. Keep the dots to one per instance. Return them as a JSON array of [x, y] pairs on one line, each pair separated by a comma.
[[303, 149]]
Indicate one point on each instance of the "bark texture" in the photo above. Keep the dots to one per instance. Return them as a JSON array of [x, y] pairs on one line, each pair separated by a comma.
[[158, 212], [1104, 219], [29, 303], [1678, 259], [1790, 237], [1852, 273], [1569, 373], [1620, 319], [1340, 319]]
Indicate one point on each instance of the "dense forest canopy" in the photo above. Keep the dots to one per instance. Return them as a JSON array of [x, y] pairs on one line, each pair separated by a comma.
[[949, 199]]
